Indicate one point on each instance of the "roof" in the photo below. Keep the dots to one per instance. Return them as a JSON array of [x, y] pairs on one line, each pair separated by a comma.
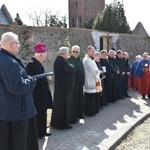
[[5, 17], [139, 29]]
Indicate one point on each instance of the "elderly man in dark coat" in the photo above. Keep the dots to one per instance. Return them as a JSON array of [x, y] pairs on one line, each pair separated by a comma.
[[120, 76], [64, 74], [16, 103], [108, 80], [41, 93], [79, 80], [114, 73]]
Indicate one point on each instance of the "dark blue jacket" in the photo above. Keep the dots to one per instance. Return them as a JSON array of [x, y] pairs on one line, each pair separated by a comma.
[[134, 67], [140, 67], [16, 103]]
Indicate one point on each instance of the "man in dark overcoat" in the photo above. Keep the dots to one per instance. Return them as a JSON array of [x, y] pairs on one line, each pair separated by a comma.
[[120, 76], [79, 81], [64, 80], [16, 103]]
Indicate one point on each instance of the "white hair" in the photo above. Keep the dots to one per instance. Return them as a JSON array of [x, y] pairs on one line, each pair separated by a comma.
[[8, 37], [75, 47], [63, 50], [138, 56]]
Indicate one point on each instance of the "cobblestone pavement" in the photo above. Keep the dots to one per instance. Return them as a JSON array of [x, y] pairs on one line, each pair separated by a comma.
[[103, 131]]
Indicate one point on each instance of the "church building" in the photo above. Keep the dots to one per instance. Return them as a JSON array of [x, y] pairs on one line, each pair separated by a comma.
[[83, 10]]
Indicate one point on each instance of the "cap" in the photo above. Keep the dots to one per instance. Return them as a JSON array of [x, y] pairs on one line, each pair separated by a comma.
[[40, 48]]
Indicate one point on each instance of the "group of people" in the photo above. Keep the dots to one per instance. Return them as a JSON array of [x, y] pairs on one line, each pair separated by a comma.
[[140, 79], [81, 88], [84, 86]]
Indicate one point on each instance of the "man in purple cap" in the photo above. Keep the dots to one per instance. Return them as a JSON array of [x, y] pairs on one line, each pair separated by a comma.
[[41, 93]]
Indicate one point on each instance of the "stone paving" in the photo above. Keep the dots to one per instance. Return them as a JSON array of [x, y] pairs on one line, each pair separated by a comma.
[[103, 131]]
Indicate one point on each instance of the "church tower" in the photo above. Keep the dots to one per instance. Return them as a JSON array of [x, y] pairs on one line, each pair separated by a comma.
[[82, 10]]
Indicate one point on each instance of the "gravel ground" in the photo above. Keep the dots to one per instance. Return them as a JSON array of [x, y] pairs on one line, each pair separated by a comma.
[[138, 139]]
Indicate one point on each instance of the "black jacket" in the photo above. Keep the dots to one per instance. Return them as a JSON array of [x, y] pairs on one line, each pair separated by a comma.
[[64, 74]]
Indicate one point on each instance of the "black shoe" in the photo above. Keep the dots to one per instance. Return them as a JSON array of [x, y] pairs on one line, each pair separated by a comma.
[[41, 137], [143, 96], [122, 97], [127, 96], [82, 117], [47, 134], [69, 127]]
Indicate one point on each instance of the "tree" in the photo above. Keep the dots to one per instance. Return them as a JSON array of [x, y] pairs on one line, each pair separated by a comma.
[[88, 24], [18, 19], [112, 19], [46, 18]]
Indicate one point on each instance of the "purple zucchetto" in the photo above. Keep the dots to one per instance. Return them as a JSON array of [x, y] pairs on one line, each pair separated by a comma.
[[40, 48]]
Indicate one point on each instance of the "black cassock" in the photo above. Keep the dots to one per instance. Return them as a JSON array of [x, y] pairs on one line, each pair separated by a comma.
[[41, 95], [63, 112], [79, 82], [114, 70], [102, 95], [107, 80]]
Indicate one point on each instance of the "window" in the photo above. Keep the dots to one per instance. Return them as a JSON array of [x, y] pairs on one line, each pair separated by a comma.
[[80, 19], [73, 25], [76, 4]]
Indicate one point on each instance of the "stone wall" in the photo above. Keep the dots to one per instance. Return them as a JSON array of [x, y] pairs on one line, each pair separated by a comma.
[[54, 38], [134, 44]]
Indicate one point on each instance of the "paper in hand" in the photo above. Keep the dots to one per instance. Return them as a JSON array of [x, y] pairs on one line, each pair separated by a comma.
[[43, 75]]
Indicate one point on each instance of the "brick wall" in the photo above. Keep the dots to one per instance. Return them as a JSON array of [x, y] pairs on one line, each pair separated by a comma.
[[84, 10]]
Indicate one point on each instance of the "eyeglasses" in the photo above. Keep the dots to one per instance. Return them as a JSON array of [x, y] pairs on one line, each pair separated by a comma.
[[75, 52], [16, 43]]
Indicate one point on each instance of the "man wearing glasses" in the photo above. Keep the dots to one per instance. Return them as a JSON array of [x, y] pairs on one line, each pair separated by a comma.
[[79, 81], [16, 104]]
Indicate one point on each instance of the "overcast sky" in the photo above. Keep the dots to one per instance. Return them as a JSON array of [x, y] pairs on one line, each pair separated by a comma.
[[135, 10]]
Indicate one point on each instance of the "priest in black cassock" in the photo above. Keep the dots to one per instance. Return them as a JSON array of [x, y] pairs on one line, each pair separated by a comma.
[[120, 76], [75, 60], [127, 68], [64, 78], [114, 73], [41, 94], [102, 94], [108, 76]]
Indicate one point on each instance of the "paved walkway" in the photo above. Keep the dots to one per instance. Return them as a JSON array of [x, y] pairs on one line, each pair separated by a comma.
[[103, 131]]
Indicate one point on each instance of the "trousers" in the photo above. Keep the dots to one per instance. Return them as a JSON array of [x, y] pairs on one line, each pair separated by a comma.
[[13, 135]]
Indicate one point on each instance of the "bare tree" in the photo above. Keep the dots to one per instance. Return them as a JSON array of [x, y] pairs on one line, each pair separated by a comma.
[[46, 18]]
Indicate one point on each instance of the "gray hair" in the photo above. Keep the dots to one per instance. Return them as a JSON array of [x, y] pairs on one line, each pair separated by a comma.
[[8, 37], [63, 50], [111, 51], [97, 53], [103, 51]]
